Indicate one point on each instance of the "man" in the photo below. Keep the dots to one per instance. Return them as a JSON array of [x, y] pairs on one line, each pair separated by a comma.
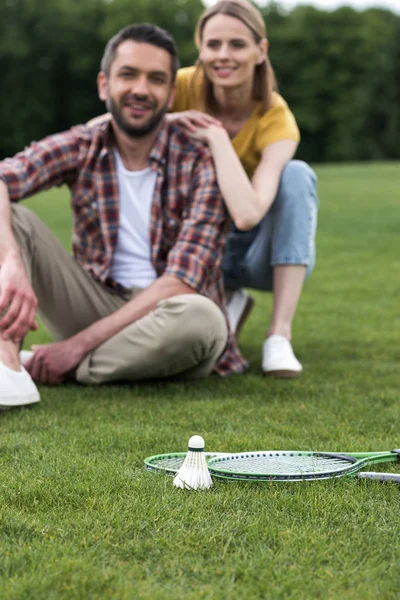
[[142, 298]]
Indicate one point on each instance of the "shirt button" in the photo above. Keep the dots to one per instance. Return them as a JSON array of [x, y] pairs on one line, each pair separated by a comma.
[[172, 222]]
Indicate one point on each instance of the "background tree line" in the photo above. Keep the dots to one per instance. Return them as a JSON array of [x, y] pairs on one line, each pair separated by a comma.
[[339, 71]]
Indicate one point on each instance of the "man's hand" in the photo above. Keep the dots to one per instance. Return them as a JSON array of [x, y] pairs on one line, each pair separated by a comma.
[[18, 301], [54, 363]]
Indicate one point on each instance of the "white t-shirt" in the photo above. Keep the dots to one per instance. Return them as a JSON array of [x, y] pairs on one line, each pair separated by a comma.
[[132, 266]]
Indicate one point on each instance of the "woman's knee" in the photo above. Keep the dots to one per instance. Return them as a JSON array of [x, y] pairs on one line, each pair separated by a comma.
[[297, 190], [298, 172]]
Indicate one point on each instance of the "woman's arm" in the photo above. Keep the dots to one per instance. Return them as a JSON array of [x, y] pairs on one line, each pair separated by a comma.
[[247, 202]]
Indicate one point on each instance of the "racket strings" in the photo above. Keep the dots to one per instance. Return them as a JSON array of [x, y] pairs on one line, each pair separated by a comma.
[[169, 463], [173, 462], [280, 464]]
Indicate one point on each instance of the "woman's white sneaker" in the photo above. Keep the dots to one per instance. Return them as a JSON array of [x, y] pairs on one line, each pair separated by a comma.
[[16, 388], [278, 358], [238, 309], [25, 356]]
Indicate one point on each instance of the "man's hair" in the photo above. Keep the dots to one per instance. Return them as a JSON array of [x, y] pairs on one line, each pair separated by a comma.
[[142, 33]]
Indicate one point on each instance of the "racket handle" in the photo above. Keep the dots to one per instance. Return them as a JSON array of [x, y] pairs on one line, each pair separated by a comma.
[[380, 476]]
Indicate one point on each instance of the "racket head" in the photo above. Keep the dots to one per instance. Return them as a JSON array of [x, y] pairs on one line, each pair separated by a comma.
[[171, 463], [165, 463], [285, 465]]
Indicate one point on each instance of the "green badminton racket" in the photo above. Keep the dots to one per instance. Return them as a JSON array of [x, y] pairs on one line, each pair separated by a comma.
[[271, 465]]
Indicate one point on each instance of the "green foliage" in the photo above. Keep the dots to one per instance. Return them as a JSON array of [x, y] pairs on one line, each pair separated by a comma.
[[81, 519], [339, 71], [49, 58], [179, 17]]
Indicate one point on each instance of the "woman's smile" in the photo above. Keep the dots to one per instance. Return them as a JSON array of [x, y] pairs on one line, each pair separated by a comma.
[[224, 71]]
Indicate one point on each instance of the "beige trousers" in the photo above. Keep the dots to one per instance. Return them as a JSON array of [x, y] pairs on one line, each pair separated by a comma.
[[184, 336]]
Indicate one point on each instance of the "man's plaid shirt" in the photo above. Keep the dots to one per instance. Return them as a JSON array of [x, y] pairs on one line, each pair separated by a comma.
[[188, 217]]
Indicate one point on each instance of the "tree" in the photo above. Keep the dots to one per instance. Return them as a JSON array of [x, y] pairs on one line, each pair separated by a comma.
[[339, 71]]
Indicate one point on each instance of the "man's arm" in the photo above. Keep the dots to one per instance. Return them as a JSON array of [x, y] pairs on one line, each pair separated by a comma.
[[18, 301], [51, 363], [197, 254], [44, 164], [144, 303], [52, 161]]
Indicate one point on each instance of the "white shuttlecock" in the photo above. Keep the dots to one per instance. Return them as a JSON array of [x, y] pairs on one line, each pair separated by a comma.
[[194, 473]]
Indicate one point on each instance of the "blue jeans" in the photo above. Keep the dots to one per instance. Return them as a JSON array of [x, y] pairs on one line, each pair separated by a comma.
[[285, 236]]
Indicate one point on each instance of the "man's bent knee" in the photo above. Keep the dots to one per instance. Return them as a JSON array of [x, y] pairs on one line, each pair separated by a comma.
[[181, 333], [21, 214], [25, 222], [200, 323]]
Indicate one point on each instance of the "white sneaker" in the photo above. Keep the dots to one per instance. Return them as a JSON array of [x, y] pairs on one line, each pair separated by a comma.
[[279, 359], [16, 388], [238, 309]]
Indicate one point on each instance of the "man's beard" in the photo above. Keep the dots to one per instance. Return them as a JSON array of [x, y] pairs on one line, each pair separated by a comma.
[[132, 130]]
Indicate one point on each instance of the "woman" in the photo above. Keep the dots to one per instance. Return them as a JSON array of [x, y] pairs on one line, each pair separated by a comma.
[[229, 101]]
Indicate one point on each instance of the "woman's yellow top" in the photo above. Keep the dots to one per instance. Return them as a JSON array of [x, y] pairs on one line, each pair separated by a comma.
[[260, 130]]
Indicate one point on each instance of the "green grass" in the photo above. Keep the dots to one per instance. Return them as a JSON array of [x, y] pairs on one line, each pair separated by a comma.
[[81, 518]]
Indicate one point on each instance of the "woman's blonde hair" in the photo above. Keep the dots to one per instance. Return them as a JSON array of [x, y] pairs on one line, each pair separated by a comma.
[[264, 77]]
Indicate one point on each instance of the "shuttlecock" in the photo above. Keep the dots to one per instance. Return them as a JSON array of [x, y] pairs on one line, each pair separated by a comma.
[[194, 473]]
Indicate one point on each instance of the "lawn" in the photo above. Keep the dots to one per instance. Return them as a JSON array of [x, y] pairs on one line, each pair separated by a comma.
[[81, 518]]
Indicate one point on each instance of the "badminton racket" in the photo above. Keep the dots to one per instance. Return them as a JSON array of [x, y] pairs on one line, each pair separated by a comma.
[[270, 465]]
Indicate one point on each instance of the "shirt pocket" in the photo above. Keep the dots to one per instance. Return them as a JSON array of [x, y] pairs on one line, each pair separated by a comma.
[[172, 222], [86, 218]]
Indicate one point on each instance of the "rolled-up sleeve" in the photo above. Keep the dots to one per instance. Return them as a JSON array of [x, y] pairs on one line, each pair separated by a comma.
[[52, 161], [197, 253]]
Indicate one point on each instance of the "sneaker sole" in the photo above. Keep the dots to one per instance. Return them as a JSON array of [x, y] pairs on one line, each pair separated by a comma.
[[31, 399], [282, 374], [244, 316]]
